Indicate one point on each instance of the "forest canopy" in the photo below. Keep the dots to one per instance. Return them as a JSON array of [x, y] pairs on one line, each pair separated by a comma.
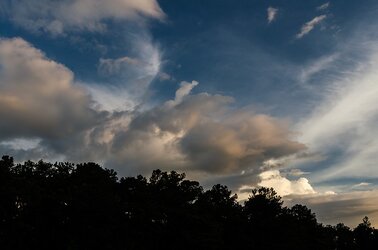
[[84, 206]]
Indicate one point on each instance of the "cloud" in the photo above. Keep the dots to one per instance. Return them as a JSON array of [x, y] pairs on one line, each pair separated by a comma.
[[307, 27], [273, 179], [297, 172], [200, 133], [271, 14], [323, 6], [20, 144], [182, 92], [196, 133], [38, 96], [114, 66], [57, 17], [362, 184], [284, 186], [344, 120], [316, 67], [127, 78], [163, 76], [348, 208], [239, 142]]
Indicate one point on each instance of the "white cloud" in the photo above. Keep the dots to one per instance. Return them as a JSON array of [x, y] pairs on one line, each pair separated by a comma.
[[361, 184], [307, 27], [184, 90], [323, 6], [111, 97], [57, 17], [271, 14], [297, 172], [284, 186]]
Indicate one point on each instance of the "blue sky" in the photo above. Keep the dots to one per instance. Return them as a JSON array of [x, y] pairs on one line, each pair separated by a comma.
[[247, 93]]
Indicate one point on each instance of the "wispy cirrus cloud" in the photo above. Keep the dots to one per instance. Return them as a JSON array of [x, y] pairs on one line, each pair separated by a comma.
[[316, 67], [126, 80], [347, 115], [310, 25], [340, 127]]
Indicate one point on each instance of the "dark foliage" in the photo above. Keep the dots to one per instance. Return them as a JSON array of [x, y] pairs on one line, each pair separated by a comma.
[[67, 206]]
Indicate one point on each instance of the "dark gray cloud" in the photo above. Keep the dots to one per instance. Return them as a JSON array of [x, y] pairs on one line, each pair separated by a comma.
[[238, 142], [202, 133], [348, 208]]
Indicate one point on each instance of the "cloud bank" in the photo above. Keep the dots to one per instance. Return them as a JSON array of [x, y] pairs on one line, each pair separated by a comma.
[[200, 132], [348, 208]]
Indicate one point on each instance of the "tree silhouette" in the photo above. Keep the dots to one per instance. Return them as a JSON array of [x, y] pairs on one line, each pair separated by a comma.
[[84, 206], [365, 235]]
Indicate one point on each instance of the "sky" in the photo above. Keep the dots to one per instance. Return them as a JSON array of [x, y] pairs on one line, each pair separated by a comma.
[[251, 93]]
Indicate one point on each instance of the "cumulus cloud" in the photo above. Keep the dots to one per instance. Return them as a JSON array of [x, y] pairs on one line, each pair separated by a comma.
[[192, 132], [57, 17], [38, 97], [284, 186], [307, 27], [323, 6], [201, 133], [274, 179], [271, 14]]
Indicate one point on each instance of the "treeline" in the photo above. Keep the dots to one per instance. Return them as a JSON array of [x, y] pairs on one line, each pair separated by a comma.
[[67, 206]]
